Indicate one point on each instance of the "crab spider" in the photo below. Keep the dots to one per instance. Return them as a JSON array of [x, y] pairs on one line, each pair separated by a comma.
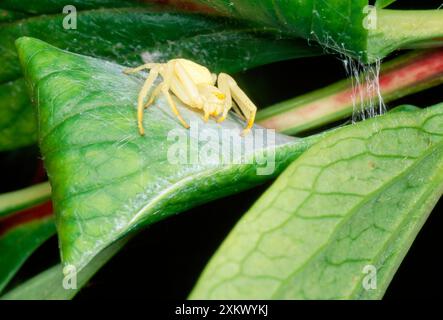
[[196, 87]]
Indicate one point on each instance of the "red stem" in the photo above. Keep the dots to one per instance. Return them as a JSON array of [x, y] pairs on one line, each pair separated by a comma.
[[37, 212], [395, 82]]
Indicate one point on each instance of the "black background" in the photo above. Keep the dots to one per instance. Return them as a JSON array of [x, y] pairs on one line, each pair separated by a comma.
[[165, 260]]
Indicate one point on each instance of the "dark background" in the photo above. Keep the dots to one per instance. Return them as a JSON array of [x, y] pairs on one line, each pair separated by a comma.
[[165, 260]]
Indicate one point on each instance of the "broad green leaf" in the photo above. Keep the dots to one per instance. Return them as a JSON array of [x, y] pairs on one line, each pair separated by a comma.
[[48, 285], [335, 24], [153, 36], [107, 179], [353, 202], [144, 34], [56, 6], [26, 222], [350, 27], [18, 127]]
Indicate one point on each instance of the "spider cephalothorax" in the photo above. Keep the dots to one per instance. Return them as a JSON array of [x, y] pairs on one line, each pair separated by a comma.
[[197, 88]]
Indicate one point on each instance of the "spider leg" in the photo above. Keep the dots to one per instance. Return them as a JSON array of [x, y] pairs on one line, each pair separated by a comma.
[[223, 85], [140, 68], [142, 95], [165, 86], [174, 107], [245, 104], [238, 111], [206, 116], [154, 95]]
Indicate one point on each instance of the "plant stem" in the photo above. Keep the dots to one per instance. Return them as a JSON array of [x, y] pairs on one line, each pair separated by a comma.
[[398, 78], [24, 206], [397, 29], [22, 199]]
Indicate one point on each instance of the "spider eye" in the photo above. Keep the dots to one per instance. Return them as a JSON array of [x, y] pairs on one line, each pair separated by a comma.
[[220, 96]]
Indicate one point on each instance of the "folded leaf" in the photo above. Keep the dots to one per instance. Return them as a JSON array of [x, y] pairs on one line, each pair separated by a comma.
[[106, 178], [26, 222], [144, 34], [338, 222]]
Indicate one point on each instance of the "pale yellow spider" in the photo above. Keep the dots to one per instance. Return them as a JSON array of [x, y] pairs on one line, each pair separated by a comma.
[[196, 87]]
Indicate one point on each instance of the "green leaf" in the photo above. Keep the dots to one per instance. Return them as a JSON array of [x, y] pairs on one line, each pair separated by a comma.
[[18, 127], [48, 285], [107, 179], [56, 6], [336, 24], [153, 36], [8, 16], [383, 3], [404, 107], [357, 198], [143, 34], [350, 27], [26, 222]]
